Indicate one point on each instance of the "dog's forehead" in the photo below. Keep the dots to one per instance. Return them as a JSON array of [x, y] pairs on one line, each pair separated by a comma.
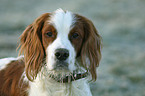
[[62, 20]]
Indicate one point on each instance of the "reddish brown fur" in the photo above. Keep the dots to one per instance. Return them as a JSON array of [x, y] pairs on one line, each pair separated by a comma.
[[11, 82], [78, 42], [45, 40], [91, 47], [31, 46]]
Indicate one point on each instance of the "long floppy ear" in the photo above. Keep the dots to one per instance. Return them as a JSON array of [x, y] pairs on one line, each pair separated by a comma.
[[91, 48], [32, 48]]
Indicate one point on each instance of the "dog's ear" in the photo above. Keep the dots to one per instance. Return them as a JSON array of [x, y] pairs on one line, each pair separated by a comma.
[[32, 47], [91, 48]]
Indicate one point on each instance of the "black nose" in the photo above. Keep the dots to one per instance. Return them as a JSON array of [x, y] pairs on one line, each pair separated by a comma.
[[61, 54]]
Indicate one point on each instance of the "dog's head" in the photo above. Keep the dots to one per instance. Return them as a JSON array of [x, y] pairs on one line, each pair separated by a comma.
[[61, 43]]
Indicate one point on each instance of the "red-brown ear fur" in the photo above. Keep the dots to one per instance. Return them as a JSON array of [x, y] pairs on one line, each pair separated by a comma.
[[32, 48], [91, 48]]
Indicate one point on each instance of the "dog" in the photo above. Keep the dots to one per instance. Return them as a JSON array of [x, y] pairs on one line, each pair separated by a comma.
[[59, 54]]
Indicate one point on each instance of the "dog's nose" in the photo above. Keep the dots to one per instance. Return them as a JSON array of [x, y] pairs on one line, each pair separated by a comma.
[[61, 54]]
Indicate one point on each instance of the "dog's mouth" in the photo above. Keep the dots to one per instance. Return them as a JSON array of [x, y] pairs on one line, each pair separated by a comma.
[[69, 78]]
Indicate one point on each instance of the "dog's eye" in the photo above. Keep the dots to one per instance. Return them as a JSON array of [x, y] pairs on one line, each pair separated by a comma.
[[49, 34], [75, 35]]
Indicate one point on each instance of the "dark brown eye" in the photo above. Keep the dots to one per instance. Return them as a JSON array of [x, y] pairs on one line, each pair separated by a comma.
[[49, 34], [75, 35]]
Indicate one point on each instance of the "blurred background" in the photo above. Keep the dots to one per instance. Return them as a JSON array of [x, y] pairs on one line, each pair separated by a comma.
[[121, 23]]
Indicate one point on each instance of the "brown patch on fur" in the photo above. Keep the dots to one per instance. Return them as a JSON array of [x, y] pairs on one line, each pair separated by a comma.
[[77, 42], [31, 45], [91, 45], [46, 40], [11, 80]]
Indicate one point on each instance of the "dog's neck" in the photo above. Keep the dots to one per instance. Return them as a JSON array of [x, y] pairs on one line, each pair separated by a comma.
[[50, 87]]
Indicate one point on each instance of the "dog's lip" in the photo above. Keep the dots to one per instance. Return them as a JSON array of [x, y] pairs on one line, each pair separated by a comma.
[[71, 77], [61, 65]]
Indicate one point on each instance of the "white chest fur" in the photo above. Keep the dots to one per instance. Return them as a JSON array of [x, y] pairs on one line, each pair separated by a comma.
[[53, 88]]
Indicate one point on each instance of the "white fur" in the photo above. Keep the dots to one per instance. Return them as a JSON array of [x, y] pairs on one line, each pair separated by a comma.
[[53, 88]]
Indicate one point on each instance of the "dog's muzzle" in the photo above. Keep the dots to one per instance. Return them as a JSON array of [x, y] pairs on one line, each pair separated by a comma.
[[61, 59]]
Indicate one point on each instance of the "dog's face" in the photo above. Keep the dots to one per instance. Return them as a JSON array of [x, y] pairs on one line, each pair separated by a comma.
[[61, 43]]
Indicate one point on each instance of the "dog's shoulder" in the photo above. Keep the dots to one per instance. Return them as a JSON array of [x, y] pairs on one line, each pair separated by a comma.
[[11, 75]]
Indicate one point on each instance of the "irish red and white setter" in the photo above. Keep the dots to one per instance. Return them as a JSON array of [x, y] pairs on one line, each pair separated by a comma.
[[61, 51]]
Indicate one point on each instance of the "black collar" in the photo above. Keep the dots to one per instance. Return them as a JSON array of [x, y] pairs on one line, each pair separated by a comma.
[[70, 78]]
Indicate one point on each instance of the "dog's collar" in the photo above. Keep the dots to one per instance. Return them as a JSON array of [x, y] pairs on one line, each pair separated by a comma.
[[72, 77]]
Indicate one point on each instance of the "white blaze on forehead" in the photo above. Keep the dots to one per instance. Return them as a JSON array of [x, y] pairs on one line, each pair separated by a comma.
[[62, 20]]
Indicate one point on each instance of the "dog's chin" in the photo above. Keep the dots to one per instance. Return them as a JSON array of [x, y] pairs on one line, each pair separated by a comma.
[[60, 70], [58, 74], [60, 66], [62, 74]]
